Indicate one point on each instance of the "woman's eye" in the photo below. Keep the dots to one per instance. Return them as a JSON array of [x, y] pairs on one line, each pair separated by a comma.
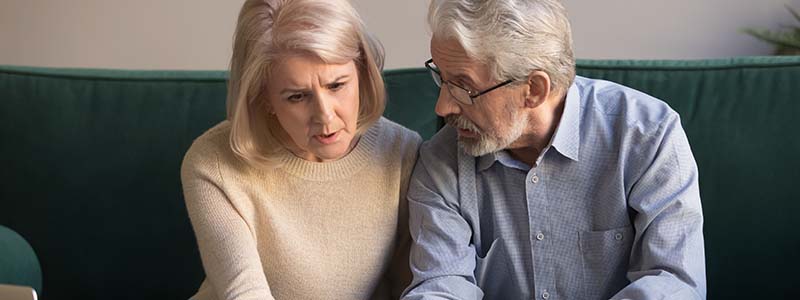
[[295, 97], [336, 86]]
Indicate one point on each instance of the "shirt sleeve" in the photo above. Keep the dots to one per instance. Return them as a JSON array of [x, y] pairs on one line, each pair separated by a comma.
[[227, 247], [668, 258], [442, 258]]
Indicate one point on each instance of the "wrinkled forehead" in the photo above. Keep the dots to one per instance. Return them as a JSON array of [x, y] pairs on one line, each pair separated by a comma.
[[453, 61], [306, 70]]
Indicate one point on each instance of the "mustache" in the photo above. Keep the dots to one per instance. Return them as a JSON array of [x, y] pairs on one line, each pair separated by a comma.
[[458, 121]]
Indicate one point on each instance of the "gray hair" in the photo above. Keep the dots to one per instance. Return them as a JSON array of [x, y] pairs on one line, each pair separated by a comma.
[[269, 30], [513, 37]]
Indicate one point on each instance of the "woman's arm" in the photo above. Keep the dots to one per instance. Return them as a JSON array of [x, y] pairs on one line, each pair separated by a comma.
[[399, 274], [227, 248]]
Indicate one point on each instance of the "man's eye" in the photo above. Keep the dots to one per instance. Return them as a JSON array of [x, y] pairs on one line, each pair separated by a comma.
[[464, 86]]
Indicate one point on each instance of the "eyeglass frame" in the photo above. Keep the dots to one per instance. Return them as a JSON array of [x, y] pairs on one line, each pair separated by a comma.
[[437, 78]]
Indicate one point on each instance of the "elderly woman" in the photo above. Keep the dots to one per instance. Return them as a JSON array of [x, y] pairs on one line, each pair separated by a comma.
[[300, 193]]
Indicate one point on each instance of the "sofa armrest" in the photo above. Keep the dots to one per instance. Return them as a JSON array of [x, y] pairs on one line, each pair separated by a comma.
[[18, 262], [17, 292]]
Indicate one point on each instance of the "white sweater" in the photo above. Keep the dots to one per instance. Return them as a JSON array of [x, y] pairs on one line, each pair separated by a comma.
[[306, 230]]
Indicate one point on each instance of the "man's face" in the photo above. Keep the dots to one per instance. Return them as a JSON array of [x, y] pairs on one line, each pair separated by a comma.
[[495, 119]]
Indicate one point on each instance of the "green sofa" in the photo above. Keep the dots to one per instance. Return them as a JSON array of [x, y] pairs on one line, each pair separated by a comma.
[[18, 262], [91, 158]]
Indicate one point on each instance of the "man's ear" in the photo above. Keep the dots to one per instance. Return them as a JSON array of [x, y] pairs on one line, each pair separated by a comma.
[[538, 88]]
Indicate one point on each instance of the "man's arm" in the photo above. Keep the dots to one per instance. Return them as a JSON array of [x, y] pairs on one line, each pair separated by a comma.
[[668, 257], [442, 259]]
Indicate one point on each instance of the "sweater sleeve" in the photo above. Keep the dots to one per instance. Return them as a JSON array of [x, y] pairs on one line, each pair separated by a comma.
[[227, 247], [399, 274]]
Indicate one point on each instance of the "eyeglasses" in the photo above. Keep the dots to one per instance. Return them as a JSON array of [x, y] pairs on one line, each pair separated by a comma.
[[459, 93]]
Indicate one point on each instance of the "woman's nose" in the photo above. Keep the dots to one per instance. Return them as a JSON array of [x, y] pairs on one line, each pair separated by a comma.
[[324, 110]]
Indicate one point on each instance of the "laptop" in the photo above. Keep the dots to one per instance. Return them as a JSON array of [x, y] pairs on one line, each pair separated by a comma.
[[17, 292]]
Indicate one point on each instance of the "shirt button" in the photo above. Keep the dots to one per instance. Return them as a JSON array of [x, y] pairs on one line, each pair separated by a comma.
[[534, 178], [540, 236], [618, 236], [545, 295]]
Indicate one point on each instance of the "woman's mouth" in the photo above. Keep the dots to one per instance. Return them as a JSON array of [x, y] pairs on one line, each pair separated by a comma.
[[327, 139]]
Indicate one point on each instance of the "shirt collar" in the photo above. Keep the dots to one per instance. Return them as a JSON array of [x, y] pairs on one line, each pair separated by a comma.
[[566, 139], [503, 157]]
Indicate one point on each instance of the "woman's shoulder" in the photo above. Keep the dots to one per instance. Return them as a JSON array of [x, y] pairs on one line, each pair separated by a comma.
[[214, 139], [395, 140], [394, 133], [210, 147]]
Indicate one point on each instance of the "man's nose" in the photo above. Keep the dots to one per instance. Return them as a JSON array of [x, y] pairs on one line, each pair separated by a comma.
[[446, 105]]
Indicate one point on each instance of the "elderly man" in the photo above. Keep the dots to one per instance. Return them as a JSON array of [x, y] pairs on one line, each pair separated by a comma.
[[543, 184]]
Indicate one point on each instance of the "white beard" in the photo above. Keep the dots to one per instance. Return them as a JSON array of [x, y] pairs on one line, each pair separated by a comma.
[[487, 143]]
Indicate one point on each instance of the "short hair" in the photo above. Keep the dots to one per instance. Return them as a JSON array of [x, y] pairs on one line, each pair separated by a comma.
[[514, 38], [268, 30]]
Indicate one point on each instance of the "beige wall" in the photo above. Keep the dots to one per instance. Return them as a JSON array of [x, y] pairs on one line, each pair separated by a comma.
[[196, 34], [135, 34], [673, 28]]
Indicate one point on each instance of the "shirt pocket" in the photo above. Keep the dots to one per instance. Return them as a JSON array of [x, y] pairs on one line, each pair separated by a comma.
[[605, 256], [493, 273]]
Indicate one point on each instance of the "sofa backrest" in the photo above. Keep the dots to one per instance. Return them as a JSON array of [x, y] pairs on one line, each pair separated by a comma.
[[741, 118], [90, 176], [91, 158]]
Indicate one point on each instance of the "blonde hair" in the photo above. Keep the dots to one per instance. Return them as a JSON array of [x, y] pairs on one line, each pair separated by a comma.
[[267, 30], [514, 38]]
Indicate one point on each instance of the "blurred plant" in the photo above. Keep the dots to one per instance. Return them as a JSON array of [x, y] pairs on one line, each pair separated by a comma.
[[786, 41]]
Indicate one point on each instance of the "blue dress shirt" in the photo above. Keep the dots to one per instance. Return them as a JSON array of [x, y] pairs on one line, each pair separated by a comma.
[[611, 209]]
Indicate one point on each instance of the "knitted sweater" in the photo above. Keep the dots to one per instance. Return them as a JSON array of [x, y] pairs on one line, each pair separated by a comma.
[[305, 230]]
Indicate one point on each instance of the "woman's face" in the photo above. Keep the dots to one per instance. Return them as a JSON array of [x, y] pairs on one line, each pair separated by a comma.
[[317, 105]]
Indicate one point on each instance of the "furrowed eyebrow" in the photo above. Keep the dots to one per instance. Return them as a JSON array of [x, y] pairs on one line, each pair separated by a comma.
[[304, 90], [293, 91], [340, 78], [464, 79]]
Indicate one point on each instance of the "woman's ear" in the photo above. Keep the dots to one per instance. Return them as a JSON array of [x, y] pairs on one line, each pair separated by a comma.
[[538, 88]]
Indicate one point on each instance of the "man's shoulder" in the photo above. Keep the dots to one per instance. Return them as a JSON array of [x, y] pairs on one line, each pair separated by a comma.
[[442, 148], [437, 167], [623, 107]]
